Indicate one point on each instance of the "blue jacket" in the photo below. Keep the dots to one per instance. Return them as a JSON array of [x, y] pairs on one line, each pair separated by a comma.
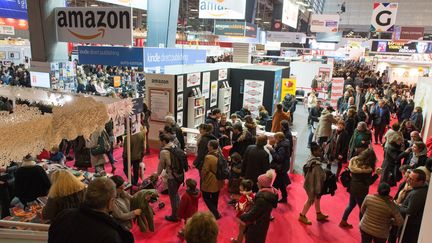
[[381, 115]]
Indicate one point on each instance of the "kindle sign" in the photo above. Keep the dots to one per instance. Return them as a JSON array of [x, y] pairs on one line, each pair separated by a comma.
[[94, 25]]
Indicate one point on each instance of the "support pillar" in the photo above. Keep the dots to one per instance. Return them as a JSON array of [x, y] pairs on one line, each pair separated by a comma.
[[162, 18]]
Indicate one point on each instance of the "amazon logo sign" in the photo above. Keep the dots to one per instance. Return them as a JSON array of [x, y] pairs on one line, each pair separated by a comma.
[[94, 25]]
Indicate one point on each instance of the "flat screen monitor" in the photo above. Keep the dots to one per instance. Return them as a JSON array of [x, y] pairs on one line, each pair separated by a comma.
[[40, 79]]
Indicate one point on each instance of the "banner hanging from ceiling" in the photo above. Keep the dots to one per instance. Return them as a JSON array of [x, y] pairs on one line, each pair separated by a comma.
[[418, 47], [138, 4], [324, 23], [16, 9], [222, 9], [94, 25], [235, 28], [383, 17], [290, 13]]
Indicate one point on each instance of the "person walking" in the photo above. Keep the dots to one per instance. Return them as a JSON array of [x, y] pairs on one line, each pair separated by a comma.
[[337, 149], [313, 184], [211, 186], [256, 161], [381, 119], [281, 163], [361, 168], [379, 214], [313, 119], [360, 140], [206, 135], [325, 123], [137, 149], [279, 116]]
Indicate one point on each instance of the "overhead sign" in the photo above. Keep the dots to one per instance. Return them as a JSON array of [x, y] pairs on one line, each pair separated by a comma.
[[286, 37], [110, 55], [138, 4], [408, 33], [235, 28], [7, 30], [94, 25], [384, 17], [290, 13], [419, 47], [160, 57], [222, 9], [16, 9], [324, 23], [18, 24]]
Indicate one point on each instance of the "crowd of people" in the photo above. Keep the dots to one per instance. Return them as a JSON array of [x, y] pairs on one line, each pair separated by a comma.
[[256, 169], [15, 75]]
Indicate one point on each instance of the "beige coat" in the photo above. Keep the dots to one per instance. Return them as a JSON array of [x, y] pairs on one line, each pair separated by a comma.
[[324, 128], [209, 181], [314, 179]]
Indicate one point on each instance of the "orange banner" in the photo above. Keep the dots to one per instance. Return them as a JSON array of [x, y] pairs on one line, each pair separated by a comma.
[[18, 24]]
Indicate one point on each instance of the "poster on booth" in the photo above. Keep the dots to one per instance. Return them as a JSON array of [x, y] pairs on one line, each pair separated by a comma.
[[337, 91], [288, 87], [193, 79], [253, 95], [383, 17], [206, 85], [214, 93]]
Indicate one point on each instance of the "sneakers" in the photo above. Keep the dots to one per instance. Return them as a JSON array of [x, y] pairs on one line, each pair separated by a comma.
[[304, 220], [322, 217], [344, 224]]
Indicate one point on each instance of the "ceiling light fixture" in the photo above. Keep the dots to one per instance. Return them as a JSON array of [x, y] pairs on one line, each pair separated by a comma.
[[258, 19], [194, 10], [302, 3], [266, 22], [94, 5], [309, 9]]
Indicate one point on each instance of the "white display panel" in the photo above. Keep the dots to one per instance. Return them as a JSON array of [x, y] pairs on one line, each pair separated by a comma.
[[139, 4], [222, 9], [39, 79], [290, 13]]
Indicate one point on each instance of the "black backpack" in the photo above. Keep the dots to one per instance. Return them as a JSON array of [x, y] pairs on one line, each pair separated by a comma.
[[179, 163], [330, 185], [345, 178], [222, 171]]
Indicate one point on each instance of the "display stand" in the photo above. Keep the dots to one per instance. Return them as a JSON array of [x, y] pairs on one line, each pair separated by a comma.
[[196, 111], [225, 100]]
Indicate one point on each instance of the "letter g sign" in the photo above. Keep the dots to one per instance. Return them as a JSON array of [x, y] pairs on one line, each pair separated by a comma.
[[380, 16]]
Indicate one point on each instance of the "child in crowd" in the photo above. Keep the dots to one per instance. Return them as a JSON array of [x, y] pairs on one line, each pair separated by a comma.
[[57, 156], [188, 202], [243, 205], [234, 180]]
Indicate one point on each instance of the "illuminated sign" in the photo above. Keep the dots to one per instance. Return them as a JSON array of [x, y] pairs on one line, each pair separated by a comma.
[[222, 9], [138, 4]]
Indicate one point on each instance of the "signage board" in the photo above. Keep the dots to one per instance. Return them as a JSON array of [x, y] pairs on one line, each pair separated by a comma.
[[18, 24], [235, 28], [383, 17], [324, 22], [286, 37], [222, 9], [160, 57], [7, 30], [408, 33], [94, 25], [16, 9], [138, 4], [419, 47], [288, 87], [290, 13], [110, 55], [40, 79]]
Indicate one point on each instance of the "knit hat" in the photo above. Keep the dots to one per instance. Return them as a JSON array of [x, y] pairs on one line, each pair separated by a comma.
[[266, 180]]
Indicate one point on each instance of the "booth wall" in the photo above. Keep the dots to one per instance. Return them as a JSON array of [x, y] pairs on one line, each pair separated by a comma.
[[236, 81], [306, 71], [423, 99]]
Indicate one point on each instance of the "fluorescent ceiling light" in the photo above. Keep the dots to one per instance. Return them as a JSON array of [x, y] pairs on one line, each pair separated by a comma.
[[266, 22], [143, 14], [134, 17], [94, 5], [194, 10], [258, 19], [302, 3], [309, 9]]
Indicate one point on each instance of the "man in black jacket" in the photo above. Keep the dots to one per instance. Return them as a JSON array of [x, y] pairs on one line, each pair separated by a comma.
[[256, 161], [91, 223], [313, 118], [381, 119], [170, 121], [213, 119], [413, 206]]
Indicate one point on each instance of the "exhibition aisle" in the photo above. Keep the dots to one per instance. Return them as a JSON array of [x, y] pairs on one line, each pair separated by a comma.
[[285, 226]]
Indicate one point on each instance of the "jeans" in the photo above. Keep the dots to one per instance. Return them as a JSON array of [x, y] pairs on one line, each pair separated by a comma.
[[311, 134], [110, 155], [211, 199], [367, 238], [353, 200], [379, 132], [173, 187], [135, 170]]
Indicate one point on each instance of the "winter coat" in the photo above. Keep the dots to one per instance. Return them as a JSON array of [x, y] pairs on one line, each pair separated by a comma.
[[188, 204], [381, 118], [314, 178], [277, 118], [417, 119], [338, 145], [281, 157], [350, 126], [121, 211], [357, 141], [81, 153], [255, 163], [361, 178], [392, 161], [288, 135], [31, 182], [259, 215], [242, 113], [179, 135], [209, 182], [202, 150], [137, 146], [314, 115], [165, 162], [263, 117], [411, 159], [139, 201], [378, 215], [324, 128], [240, 142], [54, 206], [85, 225], [407, 111]]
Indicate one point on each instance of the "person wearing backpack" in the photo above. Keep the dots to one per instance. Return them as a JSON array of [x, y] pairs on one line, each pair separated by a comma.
[[211, 185], [362, 177], [169, 162], [313, 184]]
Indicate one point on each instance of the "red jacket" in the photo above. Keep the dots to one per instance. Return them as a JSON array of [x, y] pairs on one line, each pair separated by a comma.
[[429, 147], [188, 204]]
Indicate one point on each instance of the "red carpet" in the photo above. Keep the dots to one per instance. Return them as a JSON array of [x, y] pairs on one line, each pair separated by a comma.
[[285, 227]]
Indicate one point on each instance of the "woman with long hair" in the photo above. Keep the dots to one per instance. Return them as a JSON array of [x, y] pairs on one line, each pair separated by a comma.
[[362, 168], [66, 192]]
